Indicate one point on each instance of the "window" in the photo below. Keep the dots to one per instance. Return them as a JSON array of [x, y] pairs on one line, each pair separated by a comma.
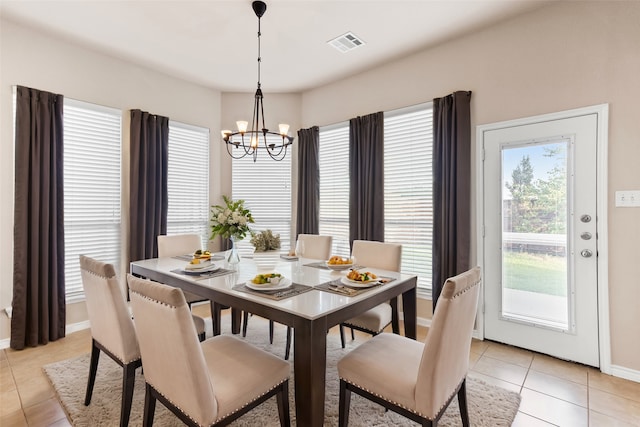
[[265, 186], [408, 200], [92, 215], [188, 180], [334, 186], [408, 187]]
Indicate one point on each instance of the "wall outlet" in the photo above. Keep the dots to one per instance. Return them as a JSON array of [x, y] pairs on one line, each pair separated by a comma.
[[628, 199]]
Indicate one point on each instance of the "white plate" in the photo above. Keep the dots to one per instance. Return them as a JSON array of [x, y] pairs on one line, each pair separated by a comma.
[[338, 267], [283, 284], [359, 284], [208, 268]]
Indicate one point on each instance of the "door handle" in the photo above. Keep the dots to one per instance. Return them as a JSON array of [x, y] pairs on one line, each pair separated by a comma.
[[585, 236], [586, 253]]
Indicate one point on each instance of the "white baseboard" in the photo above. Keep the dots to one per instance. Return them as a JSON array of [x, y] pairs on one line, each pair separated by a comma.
[[69, 329], [626, 373]]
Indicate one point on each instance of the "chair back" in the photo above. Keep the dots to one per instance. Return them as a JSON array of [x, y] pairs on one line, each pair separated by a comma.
[[178, 244], [445, 359], [172, 358], [111, 323], [385, 256], [316, 246]]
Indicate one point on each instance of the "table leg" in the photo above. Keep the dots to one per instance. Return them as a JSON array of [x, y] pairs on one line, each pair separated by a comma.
[[309, 364], [236, 320], [410, 312], [215, 317]]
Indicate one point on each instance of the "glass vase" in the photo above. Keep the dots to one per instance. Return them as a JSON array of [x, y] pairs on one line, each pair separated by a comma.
[[233, 257]]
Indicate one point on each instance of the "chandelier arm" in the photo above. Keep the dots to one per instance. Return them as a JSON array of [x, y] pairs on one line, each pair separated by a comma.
[[277, 157], [247, 148], [231, 154]]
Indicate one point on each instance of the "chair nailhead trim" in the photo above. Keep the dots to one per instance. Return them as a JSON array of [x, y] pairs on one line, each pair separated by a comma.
[[126, 362], [96, 274], [247, 403], [383, 397], [364, 327], [226, 415], [398, 404], [468, 288], [154, 300]]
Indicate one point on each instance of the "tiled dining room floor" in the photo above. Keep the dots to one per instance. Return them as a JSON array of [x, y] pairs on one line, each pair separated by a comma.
[[553, 392]]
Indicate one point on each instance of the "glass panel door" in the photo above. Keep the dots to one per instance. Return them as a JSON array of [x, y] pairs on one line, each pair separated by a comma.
[[536, 285]]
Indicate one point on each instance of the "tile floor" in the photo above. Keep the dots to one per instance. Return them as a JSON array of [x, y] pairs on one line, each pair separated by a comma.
[[553, 392]]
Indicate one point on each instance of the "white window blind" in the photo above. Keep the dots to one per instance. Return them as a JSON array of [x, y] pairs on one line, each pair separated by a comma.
[[408, 187], [92, 214], [334, 186], [188, 180], [265, 186]]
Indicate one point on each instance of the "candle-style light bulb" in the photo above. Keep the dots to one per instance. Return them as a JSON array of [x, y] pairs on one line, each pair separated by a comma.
[[284, 129], [242, 126]]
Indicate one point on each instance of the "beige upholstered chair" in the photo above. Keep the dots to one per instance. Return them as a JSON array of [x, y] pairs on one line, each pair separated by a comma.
[[203, 384], [384, 256], [112, 329], [423, 378], [180, 244], [315, 247]]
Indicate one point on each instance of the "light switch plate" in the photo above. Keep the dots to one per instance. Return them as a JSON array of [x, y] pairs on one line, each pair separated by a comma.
[[628, 199]]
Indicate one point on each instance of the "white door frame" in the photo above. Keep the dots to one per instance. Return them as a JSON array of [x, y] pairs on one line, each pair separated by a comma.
[[602, 112]]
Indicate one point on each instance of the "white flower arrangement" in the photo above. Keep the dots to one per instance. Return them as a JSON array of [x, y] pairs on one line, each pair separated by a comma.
[[230, 220]]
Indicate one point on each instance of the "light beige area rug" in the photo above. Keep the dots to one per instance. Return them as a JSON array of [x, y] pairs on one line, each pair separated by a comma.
[[489, 406]]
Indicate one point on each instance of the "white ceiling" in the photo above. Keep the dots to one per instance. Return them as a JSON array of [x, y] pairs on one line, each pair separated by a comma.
[[214, 42]]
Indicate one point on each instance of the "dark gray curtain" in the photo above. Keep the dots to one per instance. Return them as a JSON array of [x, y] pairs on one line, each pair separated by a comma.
[[366, 178], [308, 217], [39, 310], [148, 196], [451, 188]]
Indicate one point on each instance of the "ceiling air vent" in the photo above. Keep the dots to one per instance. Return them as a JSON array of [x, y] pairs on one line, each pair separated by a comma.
[[346, 42]]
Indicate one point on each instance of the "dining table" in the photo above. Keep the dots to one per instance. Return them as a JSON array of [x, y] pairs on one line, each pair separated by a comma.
[[314, 302]]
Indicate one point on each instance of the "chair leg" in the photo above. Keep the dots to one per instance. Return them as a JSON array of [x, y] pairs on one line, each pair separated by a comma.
[[93, 367], [287, 350], [270, 331], [245, 321], [201, 336], [283, 404], [128, 380], [395, 320], [343, 405], [353, 337], [149, 407], [342, 335], [462, 403]]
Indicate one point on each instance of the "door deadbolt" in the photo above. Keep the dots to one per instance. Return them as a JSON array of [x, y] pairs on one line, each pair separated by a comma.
[[585, 236], [585, 218], [586, 253]]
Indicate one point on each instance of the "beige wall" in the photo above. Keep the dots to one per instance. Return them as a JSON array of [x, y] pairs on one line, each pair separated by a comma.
[[561, 57], [32, 59], [565, 56]]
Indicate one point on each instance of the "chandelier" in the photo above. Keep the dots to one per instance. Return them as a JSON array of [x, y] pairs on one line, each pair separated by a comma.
[[245, 142]]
